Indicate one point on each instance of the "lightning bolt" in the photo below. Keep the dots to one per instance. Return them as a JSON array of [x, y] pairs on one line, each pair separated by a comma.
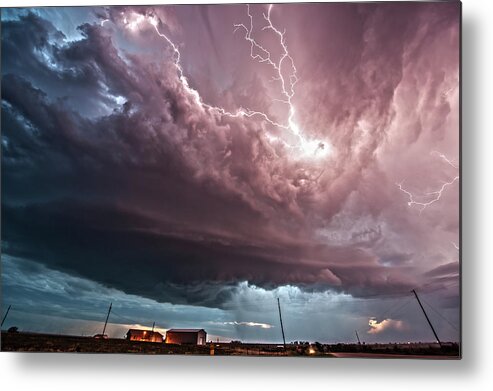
[[313, 148], [264, 56], [444, 158], [435, 195]]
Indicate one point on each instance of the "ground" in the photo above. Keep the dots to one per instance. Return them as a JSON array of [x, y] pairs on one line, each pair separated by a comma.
[[33, 342]]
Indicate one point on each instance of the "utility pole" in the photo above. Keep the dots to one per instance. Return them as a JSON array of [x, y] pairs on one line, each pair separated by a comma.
[[426, 316], [357, 336], [282, 327], [5, 316], [153, 324], [107, 316]]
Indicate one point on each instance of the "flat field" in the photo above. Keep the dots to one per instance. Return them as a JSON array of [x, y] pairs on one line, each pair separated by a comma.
[[33, 342]]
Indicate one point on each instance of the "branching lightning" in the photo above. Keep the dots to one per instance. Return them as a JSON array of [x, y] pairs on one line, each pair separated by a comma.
[[261, 54], [430, 197], [444, 158], [307, 148]]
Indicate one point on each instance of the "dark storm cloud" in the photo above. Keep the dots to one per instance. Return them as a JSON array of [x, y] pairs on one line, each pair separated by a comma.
[[112, 170], [31, 48], [45, 300], [133, 253], [448, 269]]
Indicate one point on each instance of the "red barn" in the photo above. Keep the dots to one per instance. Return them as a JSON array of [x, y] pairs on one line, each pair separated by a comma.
[[144, 335], [186, 336]]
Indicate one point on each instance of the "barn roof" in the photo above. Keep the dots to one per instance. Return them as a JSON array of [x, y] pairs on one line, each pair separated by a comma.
[[140, 331], [185, 330]]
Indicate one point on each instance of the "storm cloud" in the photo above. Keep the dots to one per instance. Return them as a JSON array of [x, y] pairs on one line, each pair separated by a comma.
[[114, 172]]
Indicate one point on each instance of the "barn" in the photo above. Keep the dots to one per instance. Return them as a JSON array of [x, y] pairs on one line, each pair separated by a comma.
[[144, 335], [186, 336]]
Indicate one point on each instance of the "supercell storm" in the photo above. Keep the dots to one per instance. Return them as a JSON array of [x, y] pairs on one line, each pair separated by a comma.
[[186, 154]]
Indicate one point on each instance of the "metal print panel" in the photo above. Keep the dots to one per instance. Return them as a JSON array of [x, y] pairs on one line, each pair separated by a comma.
[[232, 179]]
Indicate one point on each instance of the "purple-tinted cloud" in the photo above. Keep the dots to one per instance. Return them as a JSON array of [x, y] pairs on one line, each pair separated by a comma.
[[112, 169]]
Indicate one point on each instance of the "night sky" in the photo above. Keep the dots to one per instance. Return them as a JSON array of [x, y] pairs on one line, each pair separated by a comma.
[[192, 167]]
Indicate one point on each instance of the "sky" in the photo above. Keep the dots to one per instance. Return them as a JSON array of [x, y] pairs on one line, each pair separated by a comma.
[[192, 164]]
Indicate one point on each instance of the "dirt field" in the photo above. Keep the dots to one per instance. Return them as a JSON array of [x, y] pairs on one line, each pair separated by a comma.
[[405, 356], [27, 342], [32, 342]]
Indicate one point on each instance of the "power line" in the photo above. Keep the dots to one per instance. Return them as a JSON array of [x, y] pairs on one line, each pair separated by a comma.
[[392, 310], [126, 319], [401, 307], [440, 315]]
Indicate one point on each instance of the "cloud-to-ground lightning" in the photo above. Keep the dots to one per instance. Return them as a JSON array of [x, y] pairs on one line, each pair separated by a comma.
[[429, 197], [308, 148]]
